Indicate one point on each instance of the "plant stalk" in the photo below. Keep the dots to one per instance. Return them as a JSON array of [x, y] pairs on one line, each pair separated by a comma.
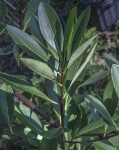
[[62, 110], [95, 140], [36, 109]]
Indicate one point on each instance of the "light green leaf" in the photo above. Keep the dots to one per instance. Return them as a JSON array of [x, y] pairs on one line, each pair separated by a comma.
[[32, 7], [115, 77], [103, 146], [79, 28], [50, 26], [83, 65], [79, 51], [23, 85], [95, 128], [69, 30], [100, 108], [7, 104], [47, 144], [23, 39], [39, 68], [97, 76]]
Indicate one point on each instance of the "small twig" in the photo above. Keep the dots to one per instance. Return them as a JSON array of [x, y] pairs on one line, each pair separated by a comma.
[[21, 14], [104, 138], [6, 54], [110, 33], [9, 4], [36, 109], [14, 135], [18, 136], [92, 141], [59, 146], [88, 147]]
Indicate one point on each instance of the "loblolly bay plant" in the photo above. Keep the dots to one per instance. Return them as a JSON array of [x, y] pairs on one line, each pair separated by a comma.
[[81, 121]]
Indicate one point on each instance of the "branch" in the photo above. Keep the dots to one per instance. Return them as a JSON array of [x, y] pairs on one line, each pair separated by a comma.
[[92, 141], [14, 135], [9, 4], [18, 136], [36, 109]]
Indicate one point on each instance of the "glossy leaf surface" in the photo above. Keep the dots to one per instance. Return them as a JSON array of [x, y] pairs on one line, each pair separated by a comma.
[[50, 26], [32, 7]]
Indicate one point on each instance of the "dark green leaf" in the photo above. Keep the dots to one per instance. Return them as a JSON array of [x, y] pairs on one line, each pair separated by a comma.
[[16, 53], [83, 65], [79, 28], [35, 29], [69, 30], [23, 39], [110, 60], [47, 144], [110, 98], [52, 133], [3, 11], [95, 128], [21, 84], [52, 91], [32, 7], [103, 146], [31, 120], [100, 108], [97, 76], [28, 118], [2, 27], [79, 51], [7, 104], [51, 51]]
